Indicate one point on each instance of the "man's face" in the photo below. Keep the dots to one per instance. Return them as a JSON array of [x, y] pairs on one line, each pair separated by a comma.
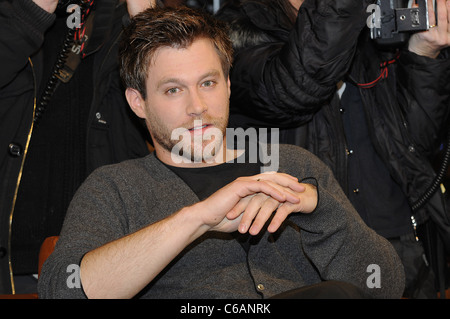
[[186, 86]]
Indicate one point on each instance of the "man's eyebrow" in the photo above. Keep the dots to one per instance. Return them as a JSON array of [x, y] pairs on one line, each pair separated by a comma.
[[167, 80], [211, 73], [180, 81]]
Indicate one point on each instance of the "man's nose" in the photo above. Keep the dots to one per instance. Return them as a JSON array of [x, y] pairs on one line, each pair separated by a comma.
[[197, 104]]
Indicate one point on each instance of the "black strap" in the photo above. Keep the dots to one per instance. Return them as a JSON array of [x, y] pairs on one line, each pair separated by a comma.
[[67, 62]]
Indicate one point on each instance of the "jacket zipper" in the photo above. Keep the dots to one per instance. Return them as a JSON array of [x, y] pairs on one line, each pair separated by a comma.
[[19, 177], [405, 134]]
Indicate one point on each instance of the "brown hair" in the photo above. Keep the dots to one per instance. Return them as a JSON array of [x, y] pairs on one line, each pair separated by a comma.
[[167, 27]]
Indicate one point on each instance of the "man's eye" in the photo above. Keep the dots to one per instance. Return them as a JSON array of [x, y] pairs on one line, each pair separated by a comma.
[[172, 90], [208, 83]]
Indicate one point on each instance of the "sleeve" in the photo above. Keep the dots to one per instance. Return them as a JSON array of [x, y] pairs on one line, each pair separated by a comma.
[[424, 94], [22, 34], [340, 245], [95, 217], [286, 83]]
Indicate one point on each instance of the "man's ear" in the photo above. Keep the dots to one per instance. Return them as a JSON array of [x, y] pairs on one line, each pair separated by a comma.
[[136, 102]]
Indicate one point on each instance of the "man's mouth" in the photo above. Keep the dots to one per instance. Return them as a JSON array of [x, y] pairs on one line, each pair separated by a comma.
[[200, 128]]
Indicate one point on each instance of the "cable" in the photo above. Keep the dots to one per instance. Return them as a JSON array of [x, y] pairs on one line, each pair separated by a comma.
[[384, 73], [438, 179]]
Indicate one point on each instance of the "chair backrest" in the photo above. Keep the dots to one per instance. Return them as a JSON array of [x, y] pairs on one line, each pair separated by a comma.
[[47, 248]]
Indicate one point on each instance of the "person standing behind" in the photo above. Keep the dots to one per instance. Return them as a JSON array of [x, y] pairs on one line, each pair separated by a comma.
[[378, 137], [62, 114]]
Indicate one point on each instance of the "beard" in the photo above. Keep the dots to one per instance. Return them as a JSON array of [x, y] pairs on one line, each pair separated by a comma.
[[182, 142]]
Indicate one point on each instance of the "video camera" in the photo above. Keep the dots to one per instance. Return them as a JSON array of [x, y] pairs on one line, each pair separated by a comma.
[[393, 21]]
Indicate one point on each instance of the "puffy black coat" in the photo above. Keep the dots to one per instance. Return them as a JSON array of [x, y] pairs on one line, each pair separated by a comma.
[[285, 75], [112, 134]]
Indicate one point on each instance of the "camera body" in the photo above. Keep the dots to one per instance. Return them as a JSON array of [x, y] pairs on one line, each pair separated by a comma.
[[393, 21]]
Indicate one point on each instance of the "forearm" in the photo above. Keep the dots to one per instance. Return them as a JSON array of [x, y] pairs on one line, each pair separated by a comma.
[[327, 33], [120, 269], [287, 83]]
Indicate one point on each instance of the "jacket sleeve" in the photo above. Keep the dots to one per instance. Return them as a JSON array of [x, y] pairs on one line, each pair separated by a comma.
[[21, 35], [286, 83], [424, 88]]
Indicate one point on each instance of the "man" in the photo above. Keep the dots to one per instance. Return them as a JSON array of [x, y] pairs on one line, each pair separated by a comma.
[[207, 226]]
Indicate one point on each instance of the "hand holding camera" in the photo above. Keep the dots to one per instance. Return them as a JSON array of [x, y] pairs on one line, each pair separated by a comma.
[[437, 37]]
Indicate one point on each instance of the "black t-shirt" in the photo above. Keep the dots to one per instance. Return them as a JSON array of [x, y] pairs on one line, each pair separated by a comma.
[[204, 181]]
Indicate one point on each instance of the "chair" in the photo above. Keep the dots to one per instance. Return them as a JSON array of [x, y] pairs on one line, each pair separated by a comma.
[[46, 249]]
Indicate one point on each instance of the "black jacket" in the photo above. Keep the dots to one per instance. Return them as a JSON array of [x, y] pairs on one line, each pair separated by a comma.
[[112, 133], [285, 75]]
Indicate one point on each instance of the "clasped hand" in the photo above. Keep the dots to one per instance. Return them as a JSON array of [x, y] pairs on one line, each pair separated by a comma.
[[249, 202]]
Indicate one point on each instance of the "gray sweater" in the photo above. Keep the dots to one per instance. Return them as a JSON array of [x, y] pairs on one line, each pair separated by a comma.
[[332, 243]]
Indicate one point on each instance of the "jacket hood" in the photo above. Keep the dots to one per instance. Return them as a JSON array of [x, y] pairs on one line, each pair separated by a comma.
[[252, 23]]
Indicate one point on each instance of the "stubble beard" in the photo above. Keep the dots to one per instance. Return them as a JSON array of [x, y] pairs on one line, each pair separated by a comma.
[[193, 146]]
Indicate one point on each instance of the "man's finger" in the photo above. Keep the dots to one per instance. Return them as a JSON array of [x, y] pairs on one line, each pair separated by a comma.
[[431, 14], [281, 179], [251, 211], [264, 214]]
